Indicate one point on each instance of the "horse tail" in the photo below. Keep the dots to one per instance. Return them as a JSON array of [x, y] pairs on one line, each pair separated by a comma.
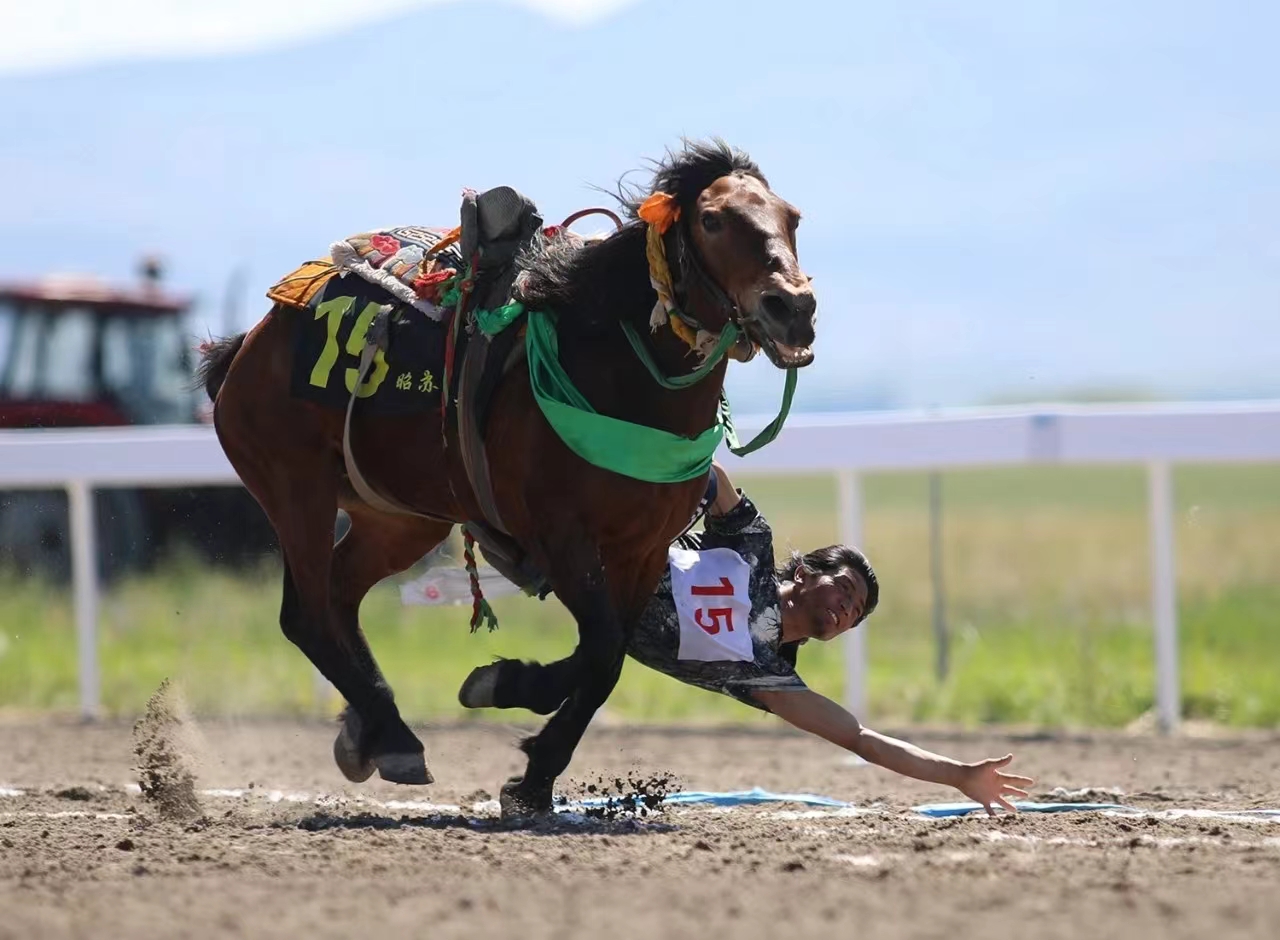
[[216, 357]]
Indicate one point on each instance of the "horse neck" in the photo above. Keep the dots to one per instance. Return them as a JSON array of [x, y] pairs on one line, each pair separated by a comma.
[[613, 287]]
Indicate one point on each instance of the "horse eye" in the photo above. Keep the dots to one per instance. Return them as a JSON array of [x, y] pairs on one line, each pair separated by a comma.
[[711, 222]]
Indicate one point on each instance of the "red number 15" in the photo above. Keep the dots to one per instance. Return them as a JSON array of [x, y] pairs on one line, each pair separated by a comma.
[[716, 613], [723, 589]]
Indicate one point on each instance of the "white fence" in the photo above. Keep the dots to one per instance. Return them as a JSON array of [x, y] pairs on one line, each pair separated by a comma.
[[845, 444]]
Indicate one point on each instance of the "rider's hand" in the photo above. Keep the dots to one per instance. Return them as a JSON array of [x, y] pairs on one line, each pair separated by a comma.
[[985, 783]]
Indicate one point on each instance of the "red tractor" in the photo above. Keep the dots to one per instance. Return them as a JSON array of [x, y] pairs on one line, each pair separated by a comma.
[[77, 353]]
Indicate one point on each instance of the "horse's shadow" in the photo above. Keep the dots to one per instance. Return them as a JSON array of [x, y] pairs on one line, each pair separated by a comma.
[[555, 824]]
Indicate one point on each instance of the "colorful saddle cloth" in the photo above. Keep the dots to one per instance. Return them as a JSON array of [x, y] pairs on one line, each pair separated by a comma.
[[405, 260]]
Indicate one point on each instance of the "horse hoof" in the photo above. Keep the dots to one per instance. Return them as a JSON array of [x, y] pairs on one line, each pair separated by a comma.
[[518, 802], [478, 689], [346, 751], [408, 768]]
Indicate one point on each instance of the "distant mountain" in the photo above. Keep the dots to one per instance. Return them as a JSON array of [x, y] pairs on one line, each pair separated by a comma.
[[998, 198]]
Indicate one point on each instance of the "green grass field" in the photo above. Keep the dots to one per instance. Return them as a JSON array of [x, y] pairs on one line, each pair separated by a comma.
[[1047, 602]]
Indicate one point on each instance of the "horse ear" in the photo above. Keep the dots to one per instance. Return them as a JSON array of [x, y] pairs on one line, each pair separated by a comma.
[[661, 211]]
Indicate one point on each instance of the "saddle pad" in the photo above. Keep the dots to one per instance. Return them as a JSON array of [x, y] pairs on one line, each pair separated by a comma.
[[300, 288], [397, 259], [331, 335]]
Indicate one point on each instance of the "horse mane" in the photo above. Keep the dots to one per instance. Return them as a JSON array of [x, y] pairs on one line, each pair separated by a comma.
[[687, 172], [600, 282]]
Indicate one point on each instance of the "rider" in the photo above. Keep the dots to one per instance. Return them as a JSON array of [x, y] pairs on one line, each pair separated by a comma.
[[723, 619]]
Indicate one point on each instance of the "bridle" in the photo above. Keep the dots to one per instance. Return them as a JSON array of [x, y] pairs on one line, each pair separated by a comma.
[[692, 270], [732, 334], [692, 273]]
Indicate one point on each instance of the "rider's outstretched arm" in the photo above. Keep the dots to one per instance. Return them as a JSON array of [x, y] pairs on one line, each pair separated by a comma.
[[983, 781]]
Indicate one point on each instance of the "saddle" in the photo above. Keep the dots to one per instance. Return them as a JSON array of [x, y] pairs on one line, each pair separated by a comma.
[[496, 226]]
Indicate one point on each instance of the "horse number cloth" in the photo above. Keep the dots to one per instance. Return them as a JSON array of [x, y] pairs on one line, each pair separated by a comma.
[[709, 589], [331, 334]]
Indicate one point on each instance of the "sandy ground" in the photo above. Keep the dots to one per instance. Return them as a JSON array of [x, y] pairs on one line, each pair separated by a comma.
[[82, 855]]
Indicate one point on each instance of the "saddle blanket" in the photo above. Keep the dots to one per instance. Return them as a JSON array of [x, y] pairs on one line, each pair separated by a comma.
[[331, 333], [401, 260]]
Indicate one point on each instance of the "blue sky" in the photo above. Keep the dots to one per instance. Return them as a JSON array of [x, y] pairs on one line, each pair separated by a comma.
[[999, 198]]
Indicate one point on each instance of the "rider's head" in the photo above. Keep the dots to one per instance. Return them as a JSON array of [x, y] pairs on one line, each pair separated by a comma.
[[826, 593]]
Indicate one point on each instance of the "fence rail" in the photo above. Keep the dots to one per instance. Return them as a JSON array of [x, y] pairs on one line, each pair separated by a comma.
[[846, 445]]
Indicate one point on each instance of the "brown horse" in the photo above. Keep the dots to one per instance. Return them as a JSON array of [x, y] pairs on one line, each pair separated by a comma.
[[599, 538]]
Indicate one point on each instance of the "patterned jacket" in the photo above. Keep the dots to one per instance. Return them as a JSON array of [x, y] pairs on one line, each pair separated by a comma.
[[655, 641]]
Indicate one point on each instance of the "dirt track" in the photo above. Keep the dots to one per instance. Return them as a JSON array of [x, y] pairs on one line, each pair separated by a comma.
[[253, 867]]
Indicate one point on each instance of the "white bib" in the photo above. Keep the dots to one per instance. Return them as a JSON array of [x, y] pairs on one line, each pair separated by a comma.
[[710, 593]]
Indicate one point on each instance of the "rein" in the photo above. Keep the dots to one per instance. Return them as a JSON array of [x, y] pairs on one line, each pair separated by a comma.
[[660, 220], [728, 337]]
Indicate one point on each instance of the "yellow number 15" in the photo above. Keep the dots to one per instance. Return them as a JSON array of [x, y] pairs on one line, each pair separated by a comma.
[[332, 311]]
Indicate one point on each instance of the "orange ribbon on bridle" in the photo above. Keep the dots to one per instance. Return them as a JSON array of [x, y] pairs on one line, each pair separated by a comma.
[[659, 212]]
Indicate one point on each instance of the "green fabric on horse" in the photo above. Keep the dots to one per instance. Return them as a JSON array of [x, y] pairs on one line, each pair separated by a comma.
[[493, 322], [634, 450]]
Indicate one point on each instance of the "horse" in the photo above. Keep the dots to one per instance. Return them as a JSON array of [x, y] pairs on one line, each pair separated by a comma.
[[600, 538]]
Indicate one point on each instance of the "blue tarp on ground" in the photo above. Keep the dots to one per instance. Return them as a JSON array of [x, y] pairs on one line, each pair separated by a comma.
[[733, 798], [941, 810], [757, 796]]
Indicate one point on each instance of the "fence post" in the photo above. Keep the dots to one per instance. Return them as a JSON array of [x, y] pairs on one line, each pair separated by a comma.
[[849, 503], [941, 635], [84, 577], [1164, 595]]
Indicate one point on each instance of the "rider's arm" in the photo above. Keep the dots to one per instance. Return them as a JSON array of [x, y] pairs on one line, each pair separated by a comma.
[[817, 714], [727, 496]]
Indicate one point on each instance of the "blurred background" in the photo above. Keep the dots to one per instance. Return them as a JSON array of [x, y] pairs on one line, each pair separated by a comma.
[[1003, 202]]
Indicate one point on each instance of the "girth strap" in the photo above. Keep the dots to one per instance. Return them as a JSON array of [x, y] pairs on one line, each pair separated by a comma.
[[500, 549], [470, 430], [377, 340]]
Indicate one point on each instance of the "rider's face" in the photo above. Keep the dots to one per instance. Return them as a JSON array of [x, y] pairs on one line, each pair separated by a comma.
[[830, 604]]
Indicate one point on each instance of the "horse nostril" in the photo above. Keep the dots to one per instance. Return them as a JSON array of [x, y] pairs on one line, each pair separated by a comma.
[[776, 306]]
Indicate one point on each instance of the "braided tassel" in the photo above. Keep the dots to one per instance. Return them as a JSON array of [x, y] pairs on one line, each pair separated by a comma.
[[481, 612]]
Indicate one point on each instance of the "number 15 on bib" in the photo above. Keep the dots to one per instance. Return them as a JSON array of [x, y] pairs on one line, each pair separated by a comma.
[[710, 592]]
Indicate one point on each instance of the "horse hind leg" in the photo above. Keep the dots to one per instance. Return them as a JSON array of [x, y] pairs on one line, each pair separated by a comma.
[[376, 546], [309, 620], [287, 454]]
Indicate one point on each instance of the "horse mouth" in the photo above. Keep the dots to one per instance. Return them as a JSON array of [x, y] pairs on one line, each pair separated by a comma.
[[784, 356]]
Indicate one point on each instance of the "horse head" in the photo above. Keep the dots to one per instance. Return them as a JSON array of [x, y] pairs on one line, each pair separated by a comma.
[[734, 243]]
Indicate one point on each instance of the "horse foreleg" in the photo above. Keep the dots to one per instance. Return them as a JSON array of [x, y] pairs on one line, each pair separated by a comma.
[[600, 653], [375, 547]]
